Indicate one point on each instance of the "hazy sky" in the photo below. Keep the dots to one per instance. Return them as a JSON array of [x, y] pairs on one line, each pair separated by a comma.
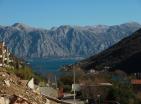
[[48, 13]]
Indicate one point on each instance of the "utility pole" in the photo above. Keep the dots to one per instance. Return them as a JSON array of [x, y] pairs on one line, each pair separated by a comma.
[[56, 82], [74, 84], [98, 99]]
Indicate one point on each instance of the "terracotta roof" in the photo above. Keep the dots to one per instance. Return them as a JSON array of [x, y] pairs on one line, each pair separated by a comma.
[[136, 81]]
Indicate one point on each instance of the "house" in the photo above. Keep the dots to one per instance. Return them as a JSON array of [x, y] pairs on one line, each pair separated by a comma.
[[91, 91], [4, 55], [76, 87], [136, 84]]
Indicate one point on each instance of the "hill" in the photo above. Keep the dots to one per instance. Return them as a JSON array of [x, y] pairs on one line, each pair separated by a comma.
[[124, 55], [64, 41]]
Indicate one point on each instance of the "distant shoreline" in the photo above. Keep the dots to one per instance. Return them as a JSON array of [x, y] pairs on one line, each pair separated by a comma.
[[50, 65]]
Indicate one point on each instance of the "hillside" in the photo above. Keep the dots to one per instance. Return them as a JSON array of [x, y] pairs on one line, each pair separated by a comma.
[[16, 90], [64, 41], [13, 90], [124, 55]]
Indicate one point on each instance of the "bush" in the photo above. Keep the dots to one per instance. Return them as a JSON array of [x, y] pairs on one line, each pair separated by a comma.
[[26, 73], [122, 93]]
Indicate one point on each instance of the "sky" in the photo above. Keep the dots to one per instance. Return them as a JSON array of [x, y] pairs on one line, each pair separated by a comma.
[[50, 13]]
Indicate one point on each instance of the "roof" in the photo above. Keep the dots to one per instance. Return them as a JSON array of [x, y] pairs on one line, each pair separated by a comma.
[[48, 91], [136, 81], [105, 84]]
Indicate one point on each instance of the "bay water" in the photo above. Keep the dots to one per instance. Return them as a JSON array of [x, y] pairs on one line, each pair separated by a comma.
[[45, 65]]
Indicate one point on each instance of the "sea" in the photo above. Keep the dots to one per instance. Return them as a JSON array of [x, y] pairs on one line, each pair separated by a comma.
[[43, 66]]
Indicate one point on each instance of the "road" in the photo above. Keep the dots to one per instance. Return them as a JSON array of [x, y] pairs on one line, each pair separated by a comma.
[[69, 98]]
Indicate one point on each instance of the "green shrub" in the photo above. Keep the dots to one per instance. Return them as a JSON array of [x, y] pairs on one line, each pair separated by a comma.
[[122, 93], [26, 73]]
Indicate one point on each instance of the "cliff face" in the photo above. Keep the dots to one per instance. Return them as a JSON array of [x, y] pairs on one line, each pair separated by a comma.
[[65, 41], [124, 55]]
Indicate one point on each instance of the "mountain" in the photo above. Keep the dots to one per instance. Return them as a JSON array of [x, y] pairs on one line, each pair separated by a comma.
[[64, 41], [125, 55]]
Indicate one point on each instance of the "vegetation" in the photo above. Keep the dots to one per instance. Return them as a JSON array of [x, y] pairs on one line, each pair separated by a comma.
[[122, 93], [66, 80], [26, 73]]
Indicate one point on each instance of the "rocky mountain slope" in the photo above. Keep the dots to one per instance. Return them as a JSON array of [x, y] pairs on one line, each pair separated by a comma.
[[13, 90], [124, 55], [64, 41]]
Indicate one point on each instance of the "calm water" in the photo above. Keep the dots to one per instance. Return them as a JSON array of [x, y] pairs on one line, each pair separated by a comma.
[[43, 66]]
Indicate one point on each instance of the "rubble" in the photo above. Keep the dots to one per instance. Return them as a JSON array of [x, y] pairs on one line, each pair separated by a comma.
[[7, 83], [3, 75], [47, 101], [4, 100], [14, 90], [31, 84], [23, 82], [19, 100]]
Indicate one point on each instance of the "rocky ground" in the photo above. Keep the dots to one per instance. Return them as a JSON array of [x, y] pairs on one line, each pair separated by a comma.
[[14, 90]]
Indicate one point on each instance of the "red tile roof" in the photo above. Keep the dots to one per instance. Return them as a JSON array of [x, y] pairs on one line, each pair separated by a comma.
[[136, 81]]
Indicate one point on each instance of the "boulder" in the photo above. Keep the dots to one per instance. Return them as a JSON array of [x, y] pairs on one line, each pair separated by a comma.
[[30, 84], [4, 100], [47, 101], [7, 82]]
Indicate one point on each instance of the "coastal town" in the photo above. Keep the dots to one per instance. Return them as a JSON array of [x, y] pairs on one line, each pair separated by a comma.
[[79, 87], [70, 52]]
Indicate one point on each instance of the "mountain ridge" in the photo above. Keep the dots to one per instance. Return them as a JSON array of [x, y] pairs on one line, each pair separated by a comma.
[[64, 41]]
